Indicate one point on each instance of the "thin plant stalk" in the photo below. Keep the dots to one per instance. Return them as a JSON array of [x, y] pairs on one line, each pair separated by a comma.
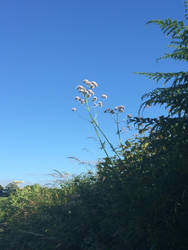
[[118, 130], [97, 126], [96, 131]]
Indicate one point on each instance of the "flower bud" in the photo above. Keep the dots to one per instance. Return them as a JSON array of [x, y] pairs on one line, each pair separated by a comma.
[[82, 101], [82, 90], [91, 92], [94, 98], [77, 98], [100, 104], [79, 87], [121, 108], [87, 82], [104, 96], [94, 83]]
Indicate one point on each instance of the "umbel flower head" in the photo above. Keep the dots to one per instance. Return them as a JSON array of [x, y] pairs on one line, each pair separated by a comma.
[[87, 92], [92, 84], [121, 108], [87, 82], [88, 97]]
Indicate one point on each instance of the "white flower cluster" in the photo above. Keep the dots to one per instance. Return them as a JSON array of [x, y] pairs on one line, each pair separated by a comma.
[[120, 108], [87, 92], [104, 96]]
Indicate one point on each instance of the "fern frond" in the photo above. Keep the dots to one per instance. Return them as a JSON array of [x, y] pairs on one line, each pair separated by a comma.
[[175, 77], [181, 55], [169, 27], [186, 9], [175, 97]]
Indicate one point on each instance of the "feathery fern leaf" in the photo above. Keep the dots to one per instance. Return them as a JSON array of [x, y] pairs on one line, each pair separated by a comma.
[[186, 10], [175, 77], [169, 27]]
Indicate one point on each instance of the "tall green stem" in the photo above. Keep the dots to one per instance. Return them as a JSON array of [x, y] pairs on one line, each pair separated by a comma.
[[96, 126], [118, 130], [112, 147], [96, 131]]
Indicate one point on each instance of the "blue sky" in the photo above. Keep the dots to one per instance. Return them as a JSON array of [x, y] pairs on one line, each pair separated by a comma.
[[47, 48]]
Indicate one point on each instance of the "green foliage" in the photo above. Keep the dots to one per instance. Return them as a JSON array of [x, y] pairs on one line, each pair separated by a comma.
[[174, 97], [1, 190], [167, 145], [11, 188], [186, 9]]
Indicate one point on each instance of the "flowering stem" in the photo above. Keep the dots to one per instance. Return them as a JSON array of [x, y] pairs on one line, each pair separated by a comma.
[[95, 127], [112, 147], [118, 130]]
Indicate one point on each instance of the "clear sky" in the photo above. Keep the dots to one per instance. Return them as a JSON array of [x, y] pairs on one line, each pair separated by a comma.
[[46, 49]]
